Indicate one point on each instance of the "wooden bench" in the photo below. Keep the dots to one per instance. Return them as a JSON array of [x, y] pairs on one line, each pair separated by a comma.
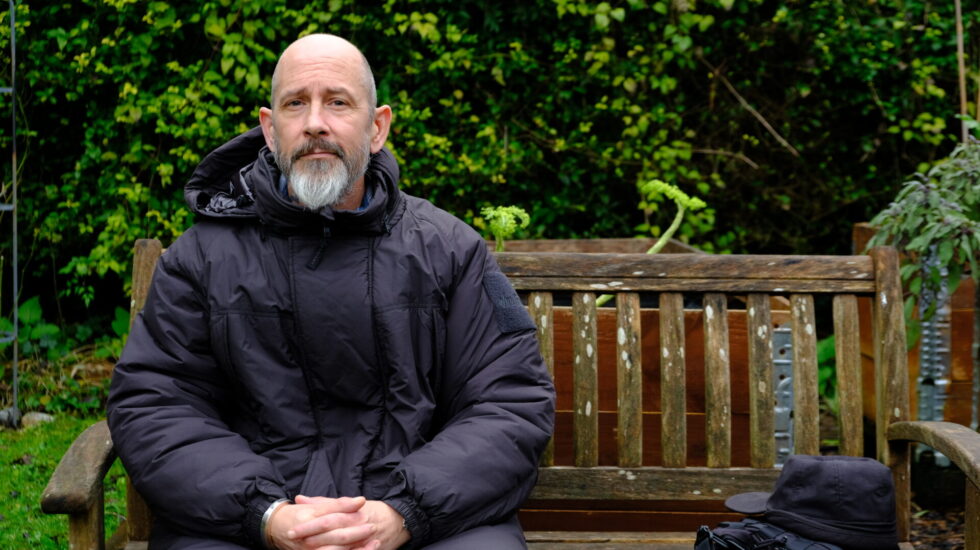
[[642, 432]]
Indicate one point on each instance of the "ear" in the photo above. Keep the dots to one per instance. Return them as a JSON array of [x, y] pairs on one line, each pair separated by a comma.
[[265, 120], [380, 127]]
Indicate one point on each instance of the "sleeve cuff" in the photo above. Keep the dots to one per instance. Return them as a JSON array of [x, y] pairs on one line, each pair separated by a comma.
[[255, 511], [416, 521]]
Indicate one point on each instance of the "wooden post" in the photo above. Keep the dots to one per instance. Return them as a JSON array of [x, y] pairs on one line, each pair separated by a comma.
[[717, 380], [629, 380], [806, 407], [586, 372], [673, 388], [761, 387], [541, 308]]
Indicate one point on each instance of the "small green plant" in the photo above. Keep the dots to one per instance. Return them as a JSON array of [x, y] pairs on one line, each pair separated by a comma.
[[504, 221], [684, 202]]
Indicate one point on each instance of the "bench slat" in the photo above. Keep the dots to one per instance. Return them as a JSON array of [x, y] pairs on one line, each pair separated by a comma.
[[806, 407], [761, 385], [650, 483], [673, 388], [847, 350], [742, 286], [540, 306], [629, 380], [687, 266], [586, 375], [717, 379]]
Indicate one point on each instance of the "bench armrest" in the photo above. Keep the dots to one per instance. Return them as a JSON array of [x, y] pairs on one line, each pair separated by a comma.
[[76, 485], [959, 443]]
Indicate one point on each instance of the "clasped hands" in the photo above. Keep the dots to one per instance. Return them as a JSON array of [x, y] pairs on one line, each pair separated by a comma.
[[320, 523]]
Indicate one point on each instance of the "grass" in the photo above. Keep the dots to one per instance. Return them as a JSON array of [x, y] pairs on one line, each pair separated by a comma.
[[27, 459]]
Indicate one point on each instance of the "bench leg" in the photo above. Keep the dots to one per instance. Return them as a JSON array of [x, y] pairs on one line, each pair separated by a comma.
[[971, 516], [86, 531]]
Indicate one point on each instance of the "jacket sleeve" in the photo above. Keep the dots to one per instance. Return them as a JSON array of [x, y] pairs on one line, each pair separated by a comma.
[[165, 418], [498, 401]]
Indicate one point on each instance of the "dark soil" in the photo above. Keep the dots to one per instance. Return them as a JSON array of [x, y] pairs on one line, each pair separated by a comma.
[[938, 530]]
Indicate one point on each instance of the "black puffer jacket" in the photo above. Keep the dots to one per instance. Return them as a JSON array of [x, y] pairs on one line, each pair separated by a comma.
[[281, 352]]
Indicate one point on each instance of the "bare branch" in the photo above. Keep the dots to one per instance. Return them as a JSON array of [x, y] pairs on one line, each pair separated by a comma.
[[745, 104]]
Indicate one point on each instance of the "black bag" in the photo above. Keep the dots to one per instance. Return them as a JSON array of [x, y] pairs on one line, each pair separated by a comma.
[[750, 534]]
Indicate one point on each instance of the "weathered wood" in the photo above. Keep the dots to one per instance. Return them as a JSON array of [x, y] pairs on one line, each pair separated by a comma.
[[650, 483], [735, 286], [145, 256], [891, 367], [847, 347], [541, 308], [891, 376], [586, 375], [76, 484], [86, 530], [611, 540], [625, 245], [673, 387], [621, 267], [957, 442], [971, 516], [717, 378], [761, 388], [629, 377], [806, 405]]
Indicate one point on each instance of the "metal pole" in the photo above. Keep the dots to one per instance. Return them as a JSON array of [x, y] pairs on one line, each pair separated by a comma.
[[15, 264], [961, 62]]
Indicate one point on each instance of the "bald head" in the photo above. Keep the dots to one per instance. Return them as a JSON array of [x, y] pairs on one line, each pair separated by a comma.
[[315, 48]]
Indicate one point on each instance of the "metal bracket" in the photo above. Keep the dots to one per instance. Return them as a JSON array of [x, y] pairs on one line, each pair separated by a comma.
[[782, 362]]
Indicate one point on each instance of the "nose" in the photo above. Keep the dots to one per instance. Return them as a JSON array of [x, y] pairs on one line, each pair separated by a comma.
[[316, 123]]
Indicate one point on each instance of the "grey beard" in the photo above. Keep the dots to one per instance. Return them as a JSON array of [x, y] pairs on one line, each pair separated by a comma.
[[317, 183]]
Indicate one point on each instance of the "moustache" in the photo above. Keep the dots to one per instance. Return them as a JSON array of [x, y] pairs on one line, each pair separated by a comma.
[[319, 146]]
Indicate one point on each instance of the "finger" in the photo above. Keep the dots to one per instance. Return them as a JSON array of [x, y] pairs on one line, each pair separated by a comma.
[[327, 505], [372, 545], [346, 537], [325, 523]]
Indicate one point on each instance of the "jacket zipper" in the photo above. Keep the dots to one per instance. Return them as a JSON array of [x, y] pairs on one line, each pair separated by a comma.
[[321, 250]]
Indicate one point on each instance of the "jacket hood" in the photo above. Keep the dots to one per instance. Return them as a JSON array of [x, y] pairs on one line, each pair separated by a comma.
[[240, 180]]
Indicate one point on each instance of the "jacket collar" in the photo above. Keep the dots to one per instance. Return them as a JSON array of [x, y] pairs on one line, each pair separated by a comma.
[[240, 180]]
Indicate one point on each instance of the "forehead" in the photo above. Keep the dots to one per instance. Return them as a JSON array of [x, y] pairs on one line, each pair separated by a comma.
[[311, 70]]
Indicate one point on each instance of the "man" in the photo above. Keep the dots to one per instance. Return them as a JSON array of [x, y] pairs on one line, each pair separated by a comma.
[[323, 361]]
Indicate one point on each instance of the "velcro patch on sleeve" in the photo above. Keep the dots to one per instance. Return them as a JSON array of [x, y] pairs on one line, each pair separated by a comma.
[[507, 307]]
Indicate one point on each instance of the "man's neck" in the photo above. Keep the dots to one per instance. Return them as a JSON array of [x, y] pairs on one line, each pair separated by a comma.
[[353, 200]]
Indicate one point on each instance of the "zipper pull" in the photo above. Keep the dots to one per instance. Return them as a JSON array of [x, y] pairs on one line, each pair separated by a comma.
[[318, 256]]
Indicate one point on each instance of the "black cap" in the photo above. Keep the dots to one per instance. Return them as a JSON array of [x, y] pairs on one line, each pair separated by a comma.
[[844, 500]]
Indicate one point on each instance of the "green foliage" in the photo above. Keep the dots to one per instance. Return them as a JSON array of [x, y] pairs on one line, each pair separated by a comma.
[[37, 338], [504, 221], [827, 374], [27, 459], [935, 222], [55, 374], [793, 119]]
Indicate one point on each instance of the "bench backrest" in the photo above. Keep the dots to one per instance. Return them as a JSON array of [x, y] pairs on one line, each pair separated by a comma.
[[668, 392], [641, 417]]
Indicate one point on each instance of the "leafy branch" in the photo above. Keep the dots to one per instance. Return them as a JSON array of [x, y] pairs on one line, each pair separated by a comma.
[[935, 221]]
